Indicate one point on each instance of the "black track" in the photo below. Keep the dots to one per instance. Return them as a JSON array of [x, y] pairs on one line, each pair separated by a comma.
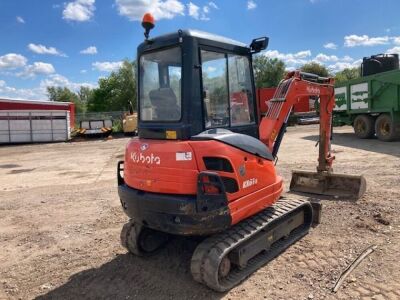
[[208, 255]]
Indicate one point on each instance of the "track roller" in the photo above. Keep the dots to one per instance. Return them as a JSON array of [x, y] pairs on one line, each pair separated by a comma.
[[226, 259]]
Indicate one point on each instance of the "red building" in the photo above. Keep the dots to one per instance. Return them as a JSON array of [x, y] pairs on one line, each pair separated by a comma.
[[34, 105], [29, 121]]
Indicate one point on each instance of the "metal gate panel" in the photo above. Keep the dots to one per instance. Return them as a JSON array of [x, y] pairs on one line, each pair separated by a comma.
[[34, 126]]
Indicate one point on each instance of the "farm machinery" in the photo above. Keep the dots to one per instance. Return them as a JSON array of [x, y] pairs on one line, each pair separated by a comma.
[[203, 163]]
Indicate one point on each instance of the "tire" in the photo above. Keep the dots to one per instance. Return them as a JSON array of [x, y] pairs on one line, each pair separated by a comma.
[[364, 126], [385, 129]]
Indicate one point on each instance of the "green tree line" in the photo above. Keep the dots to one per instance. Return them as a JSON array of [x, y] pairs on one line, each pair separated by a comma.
[[269, 72], [115, 92]]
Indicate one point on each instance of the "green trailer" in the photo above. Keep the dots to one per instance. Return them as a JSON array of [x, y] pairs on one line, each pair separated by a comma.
[[370, 104]]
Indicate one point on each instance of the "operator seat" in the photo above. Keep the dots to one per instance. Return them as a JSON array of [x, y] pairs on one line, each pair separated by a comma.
[[165, 104]]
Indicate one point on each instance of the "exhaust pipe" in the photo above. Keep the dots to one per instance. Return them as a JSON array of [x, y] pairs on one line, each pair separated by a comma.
[[328, 184]]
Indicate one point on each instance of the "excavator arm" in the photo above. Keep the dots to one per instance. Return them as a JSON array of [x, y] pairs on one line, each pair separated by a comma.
[[295, 86], [292, 88]]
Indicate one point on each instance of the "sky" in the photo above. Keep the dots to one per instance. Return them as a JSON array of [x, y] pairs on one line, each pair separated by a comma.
[[74, 43]]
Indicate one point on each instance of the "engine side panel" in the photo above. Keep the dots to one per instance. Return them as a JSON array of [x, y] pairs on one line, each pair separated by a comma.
[[172, 168], [258, 184], [161, 166]]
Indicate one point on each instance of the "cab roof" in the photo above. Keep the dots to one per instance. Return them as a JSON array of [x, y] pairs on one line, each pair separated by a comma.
[[204, 37], [199, 34]]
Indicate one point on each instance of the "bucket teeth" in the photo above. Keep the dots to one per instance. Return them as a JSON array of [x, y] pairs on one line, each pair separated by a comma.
[[328, 184]]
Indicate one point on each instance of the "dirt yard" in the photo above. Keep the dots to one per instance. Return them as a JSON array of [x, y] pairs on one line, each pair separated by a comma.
[[60, 220]]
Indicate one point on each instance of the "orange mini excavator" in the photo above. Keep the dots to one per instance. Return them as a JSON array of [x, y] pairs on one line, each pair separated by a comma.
[[204, 163]]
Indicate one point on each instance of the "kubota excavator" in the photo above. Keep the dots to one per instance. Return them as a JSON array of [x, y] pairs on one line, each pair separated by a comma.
[[204, 163]]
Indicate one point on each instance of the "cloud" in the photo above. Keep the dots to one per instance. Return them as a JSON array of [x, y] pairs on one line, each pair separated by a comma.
[[325, 58], [331, 46], [37, 68], [394, 50], [161, 9], [302, 54], [89, 50], [347, 58], [341, 65], [55, 80], [20, 20], [12, 61], [251, 5], [10, 92], [107, 66], [79, 10], [294, 61], [364, 40], [58, 80], [83, 71], [335, 64], [200, 14], [396, 40], [40, 92], [2, 83], [291, 59], [41, 49], [212, 5], [193, 10]]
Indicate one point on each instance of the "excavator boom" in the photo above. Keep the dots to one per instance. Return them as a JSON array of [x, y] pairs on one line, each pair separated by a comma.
[[273, 126]]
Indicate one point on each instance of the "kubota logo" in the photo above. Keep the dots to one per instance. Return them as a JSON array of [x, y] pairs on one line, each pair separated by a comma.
[[313, 90], [144, 147], [145, 159], [250, 182]]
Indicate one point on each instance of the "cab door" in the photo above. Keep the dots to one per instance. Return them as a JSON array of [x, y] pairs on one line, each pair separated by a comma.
[[227, 92]]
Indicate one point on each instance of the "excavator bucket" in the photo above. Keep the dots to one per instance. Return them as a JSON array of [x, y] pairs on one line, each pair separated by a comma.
[[328, 184]]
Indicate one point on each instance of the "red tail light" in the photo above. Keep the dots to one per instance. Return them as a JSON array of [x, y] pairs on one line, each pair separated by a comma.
[[210, 185]]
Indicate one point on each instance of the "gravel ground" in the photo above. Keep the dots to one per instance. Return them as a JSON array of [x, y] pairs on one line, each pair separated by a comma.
[[60, 220]]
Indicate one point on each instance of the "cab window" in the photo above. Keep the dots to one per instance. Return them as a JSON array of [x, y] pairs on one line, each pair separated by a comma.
[[227, 90], [160, 85], [215, 89], [240, 91]]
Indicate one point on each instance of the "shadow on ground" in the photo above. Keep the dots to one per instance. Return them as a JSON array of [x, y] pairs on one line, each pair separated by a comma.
[[373, 145], [165, 275]]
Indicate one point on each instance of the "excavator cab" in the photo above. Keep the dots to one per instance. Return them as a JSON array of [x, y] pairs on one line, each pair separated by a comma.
[[191, 81]]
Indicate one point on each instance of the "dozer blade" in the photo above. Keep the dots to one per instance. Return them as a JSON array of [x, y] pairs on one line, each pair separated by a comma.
[[329, 184]]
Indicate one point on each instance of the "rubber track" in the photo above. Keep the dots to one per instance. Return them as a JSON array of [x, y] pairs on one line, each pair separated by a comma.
[[208, 255], [129, 238]]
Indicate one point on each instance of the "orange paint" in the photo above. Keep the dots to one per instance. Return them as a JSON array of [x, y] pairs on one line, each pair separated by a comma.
[[155, 166]]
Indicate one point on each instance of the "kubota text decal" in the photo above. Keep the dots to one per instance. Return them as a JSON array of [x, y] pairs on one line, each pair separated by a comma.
[[145, 159]]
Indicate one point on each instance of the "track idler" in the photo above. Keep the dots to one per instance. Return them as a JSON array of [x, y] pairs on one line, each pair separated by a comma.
[[140, 240], [328, 184]]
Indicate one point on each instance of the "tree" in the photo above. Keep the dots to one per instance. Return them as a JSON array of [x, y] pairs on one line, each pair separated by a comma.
[[64, 94], [315, 68], [85, 93], [268, 72], [116, 91], [347, 74]]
